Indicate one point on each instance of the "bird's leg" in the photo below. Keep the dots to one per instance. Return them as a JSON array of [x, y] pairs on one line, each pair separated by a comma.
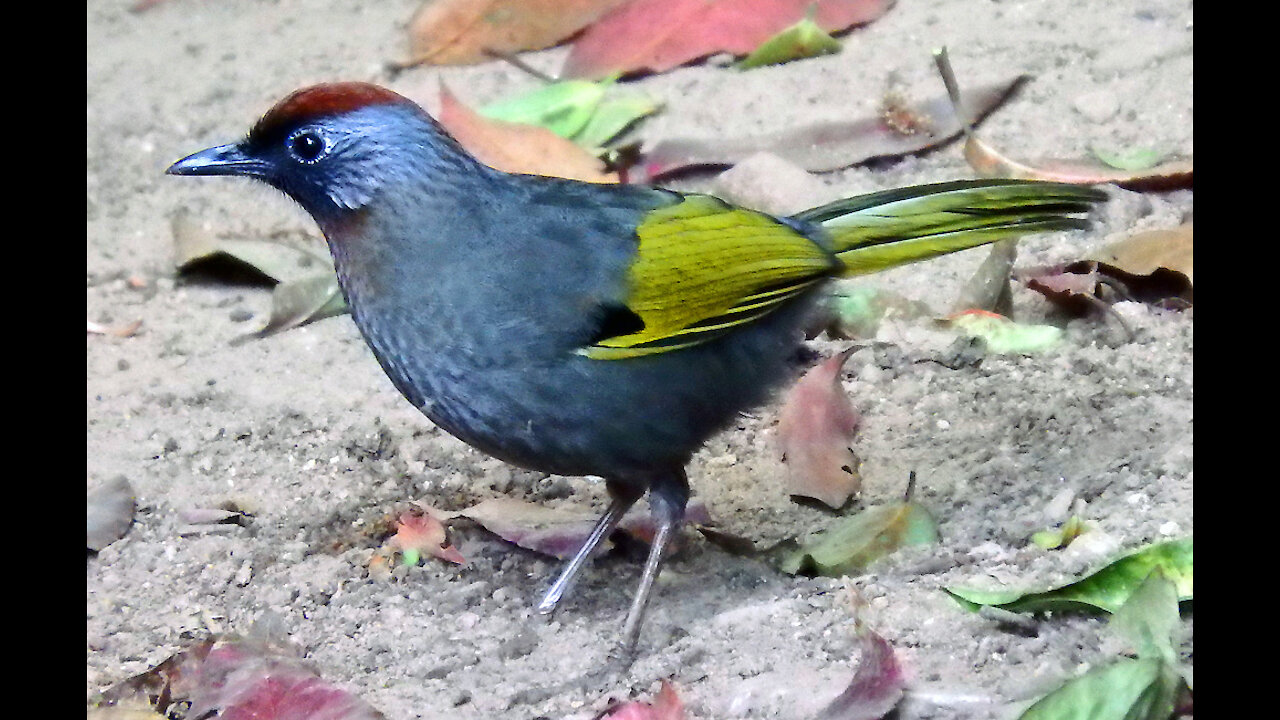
[[668, 496], [624, 496]]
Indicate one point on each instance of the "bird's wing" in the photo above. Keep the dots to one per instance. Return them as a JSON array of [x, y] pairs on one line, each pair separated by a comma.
[[703, 268]]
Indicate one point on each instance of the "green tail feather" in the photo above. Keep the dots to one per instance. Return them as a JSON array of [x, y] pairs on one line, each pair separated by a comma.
[[870, 233]]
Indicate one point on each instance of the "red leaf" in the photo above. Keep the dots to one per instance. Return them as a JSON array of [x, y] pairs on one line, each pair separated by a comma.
[[658, 35], [815, 427]]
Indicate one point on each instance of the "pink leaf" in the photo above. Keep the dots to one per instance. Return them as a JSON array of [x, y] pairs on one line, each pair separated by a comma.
[[815, 427], [250, 680], [877, 683], [658, 35], [424, 533]]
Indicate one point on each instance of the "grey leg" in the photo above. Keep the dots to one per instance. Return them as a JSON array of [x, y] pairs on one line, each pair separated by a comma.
[[667, 498], [623, 498]]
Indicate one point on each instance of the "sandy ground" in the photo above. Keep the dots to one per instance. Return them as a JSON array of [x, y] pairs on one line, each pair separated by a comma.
[[304, 429]]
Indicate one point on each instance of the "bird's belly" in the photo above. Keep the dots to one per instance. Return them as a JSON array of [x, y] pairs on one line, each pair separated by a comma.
[[572, 415]]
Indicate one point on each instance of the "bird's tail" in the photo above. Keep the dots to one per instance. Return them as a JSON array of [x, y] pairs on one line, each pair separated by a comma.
[[870, 233]]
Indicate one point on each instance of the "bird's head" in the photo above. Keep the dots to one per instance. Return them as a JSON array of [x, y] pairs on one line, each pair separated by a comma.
[[334, 147]]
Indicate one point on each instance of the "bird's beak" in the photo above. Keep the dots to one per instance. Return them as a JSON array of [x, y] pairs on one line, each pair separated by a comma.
[[221, 160]]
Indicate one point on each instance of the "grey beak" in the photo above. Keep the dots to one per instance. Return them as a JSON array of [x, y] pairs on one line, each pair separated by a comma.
[[221, 160]]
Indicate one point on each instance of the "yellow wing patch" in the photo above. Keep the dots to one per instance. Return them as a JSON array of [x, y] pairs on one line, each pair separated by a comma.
[[704, 267]]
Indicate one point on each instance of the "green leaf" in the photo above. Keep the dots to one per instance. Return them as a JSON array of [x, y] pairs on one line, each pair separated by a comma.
[[805, 39], [1004, 336], [857, 540], [1149, 618], [612, 117], [1131, 159], [1060, 536], [563, 107], [1107, 589], [1142, 689]]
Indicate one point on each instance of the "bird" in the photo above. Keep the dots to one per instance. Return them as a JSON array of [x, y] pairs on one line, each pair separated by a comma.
[[586, 329]]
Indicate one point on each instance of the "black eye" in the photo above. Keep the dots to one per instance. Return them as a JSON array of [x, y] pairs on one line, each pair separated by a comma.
[[306, 146]]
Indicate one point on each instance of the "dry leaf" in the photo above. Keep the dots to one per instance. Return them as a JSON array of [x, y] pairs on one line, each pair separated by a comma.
[[117, 330], [557, 532], [239, 679], [1153, 267], [988, 162], [820, 147], [877, 685], [1146, 252], [658, 35], [518, 148], [666, 705], [463, 32], [417, 533], [989, 288], [853, 542], [815, 427], [110, 512], [299, 302]]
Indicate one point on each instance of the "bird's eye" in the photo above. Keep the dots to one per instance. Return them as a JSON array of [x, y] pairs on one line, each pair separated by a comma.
[[306, 146]]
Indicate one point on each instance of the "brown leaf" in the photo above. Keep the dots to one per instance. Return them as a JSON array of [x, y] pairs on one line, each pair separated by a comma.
[[658, 35], [1152, 267], [558, 532], [464, 32], [518, 148], [1146, 252], [989, 162], [904, 128], [665, 706], [815, 427]]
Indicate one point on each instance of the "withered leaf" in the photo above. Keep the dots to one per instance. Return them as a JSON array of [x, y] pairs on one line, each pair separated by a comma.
[[855, 541], [239, 679], [657, 35], [1172, 174], [518, 148], [463, 32], [666, 705], [815, 429], [1154, 267], [1145, 252], [877, 686], [557, 532], [195, 246], [302, 301], [110, 512], [833, 145], [126, 330], [419, 532]]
